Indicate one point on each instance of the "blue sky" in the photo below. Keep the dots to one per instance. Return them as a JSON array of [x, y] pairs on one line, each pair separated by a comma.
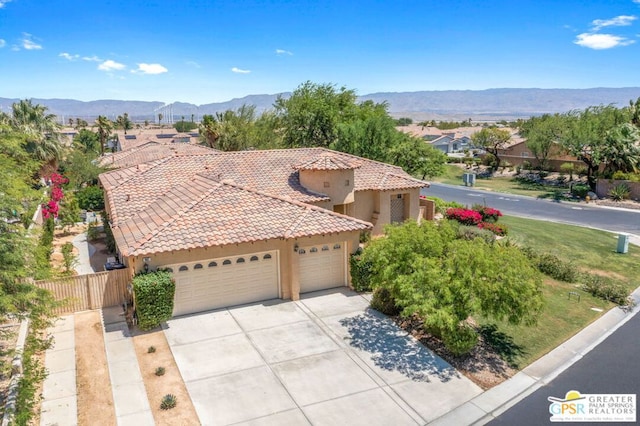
[[210, 51]]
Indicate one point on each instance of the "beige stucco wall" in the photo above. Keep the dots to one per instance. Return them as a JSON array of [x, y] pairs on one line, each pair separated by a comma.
[[337, 184], [289, 276]]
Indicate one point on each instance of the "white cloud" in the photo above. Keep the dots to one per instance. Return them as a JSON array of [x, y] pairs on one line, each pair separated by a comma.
[[240, 71], [193, 64], [618, 21], [283, 52], [150, 69], [110, 65], [3, 2], [28, 43], [636, 1], [69, 56], [93, 58], [601, 41], [2, 43]]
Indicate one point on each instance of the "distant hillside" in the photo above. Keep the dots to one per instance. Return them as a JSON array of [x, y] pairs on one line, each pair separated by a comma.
[[491, 104]]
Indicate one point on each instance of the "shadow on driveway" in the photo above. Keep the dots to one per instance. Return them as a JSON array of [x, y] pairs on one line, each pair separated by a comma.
[[393, 350]]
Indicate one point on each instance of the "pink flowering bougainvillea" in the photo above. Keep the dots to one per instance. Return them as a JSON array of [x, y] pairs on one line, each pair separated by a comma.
[[57, 179], [51, 208], [489, 214], [56, 193], [464, 216]]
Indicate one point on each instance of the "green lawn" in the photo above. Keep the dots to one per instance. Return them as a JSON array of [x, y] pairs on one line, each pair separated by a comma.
[[498, 183], [562, 317]]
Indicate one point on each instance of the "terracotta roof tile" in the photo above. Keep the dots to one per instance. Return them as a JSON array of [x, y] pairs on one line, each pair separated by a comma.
[[202, 212], [151, 151], [328, 161]]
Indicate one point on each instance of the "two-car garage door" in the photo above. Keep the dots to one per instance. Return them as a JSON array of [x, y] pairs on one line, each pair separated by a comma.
[[228, 281]]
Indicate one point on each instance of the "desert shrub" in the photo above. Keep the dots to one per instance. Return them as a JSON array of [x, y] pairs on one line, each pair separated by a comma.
[[557, 268], [580, 190], [606, 289], [360, 272], [160, 371], [90, 198], [473, 232], [619, 192], [151, 349], [382, 301], [620, 175], [69, 259], [461, 340], [464, 216], [567, 168], [154, 293], [92, 232], [442, 206], [109, 240], [494, 228], [168, 401]]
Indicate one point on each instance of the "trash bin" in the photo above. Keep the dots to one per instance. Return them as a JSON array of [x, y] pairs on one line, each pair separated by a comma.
[[623, 243]]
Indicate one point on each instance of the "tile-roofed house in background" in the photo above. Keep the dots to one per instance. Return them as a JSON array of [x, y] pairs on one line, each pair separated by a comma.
[[136, 137], [150, 151], [237, 227]]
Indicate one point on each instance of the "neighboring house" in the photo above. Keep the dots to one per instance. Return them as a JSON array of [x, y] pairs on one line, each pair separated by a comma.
[[240, 227], [518, 152], [137, 137], [150, 151], [449, 144]]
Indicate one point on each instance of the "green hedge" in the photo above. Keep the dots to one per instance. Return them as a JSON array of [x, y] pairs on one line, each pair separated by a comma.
[[154, 293]]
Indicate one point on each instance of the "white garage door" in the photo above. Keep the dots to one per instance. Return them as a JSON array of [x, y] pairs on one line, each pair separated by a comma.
[[227, 281], [322, 266]]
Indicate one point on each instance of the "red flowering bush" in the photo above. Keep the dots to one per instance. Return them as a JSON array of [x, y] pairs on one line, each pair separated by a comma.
[[500, 230], [488, 214], [56, 193], [464, 216], [57, 179], [50, 209]]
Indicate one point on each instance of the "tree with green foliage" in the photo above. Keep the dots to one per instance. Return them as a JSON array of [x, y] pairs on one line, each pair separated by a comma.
[[81, 169], [417, 157], [586, 133], [311, 115], [41, 130], [124, 123], [185, 126], [543, 134], [427, 270], [404, 121], [104, 126], [87, 141], [492, 140], [210, 130]]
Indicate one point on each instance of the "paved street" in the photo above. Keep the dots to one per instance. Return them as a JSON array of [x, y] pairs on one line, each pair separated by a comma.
[[611, 367], [574, 213]]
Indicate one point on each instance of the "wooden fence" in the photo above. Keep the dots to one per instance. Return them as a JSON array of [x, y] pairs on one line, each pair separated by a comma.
[[91, 291]]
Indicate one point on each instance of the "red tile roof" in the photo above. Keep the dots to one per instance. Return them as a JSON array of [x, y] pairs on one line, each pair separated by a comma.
[[165, 204], [151, 151], [201, 212], [328, 161]]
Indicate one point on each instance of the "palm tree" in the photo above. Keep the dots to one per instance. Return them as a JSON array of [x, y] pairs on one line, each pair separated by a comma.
[[104, 130], [42, 130], [124, 122], [210, 130]]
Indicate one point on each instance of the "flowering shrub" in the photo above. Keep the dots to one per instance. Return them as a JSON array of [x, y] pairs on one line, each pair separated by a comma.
[[464, 216], [50, 209], [494, 227], [57, 179], [56, 193], [488, 214]]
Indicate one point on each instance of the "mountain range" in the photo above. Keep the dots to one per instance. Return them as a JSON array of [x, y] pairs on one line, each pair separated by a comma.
[[479, 105]]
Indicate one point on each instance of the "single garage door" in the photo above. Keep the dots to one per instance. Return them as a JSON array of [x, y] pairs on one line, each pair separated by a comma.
[[226, 281], [322, 266]]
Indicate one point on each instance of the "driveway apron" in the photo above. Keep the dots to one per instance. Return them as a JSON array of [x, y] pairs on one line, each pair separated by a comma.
[[324, 360]]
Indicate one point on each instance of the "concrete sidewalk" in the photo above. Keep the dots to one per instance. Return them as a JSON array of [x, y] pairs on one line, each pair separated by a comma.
[[490, 404], [60, 398]]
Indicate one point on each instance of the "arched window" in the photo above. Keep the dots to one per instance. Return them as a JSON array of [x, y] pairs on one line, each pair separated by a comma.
[[240, 260], [313, 250], [266, 256], [226, 262], [198, 266], [336, 246], [325, 248], [254, 258], [183, 268], [212, 264], [169, 270], [302, 251]]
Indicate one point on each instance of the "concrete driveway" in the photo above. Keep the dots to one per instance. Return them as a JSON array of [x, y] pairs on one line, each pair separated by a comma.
[[324, 360]]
